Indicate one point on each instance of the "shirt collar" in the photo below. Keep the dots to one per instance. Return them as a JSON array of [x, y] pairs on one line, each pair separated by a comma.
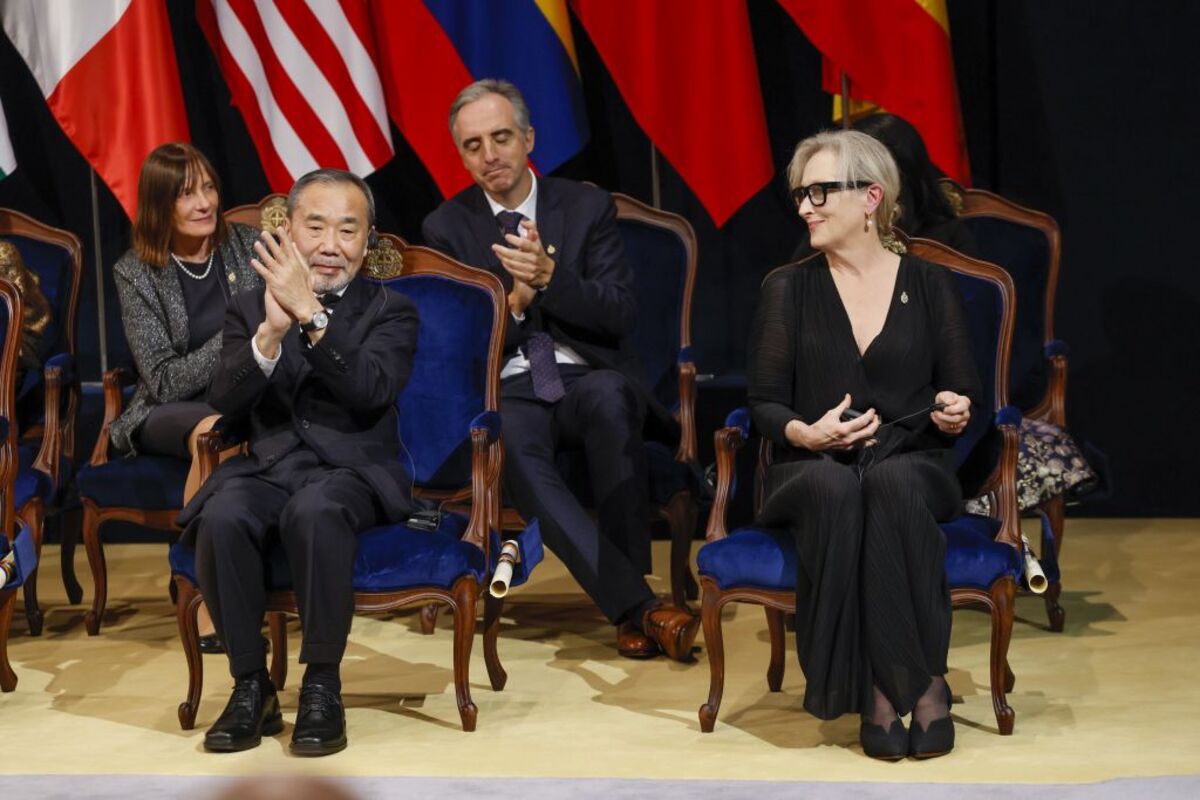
[[528, 206]]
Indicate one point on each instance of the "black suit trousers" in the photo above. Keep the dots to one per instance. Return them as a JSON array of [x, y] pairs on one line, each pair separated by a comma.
[[601, 414], [315, 511]]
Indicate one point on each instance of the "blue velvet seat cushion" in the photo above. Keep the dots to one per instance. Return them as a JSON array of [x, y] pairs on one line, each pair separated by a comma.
[[25, 558], [762, 558], [395, 557], [150, 483], [757, 558], [973, 556]]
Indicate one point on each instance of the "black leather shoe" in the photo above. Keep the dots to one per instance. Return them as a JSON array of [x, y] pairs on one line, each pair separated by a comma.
[[320, 722], [211, 644], [937, 739], [889, 745], [251, 713]]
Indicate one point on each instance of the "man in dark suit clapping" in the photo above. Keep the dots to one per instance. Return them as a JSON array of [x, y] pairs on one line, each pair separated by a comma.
[[570, 378], [310, 368]]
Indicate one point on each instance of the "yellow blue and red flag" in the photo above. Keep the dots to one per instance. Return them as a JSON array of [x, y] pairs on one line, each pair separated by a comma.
[[428, 50]]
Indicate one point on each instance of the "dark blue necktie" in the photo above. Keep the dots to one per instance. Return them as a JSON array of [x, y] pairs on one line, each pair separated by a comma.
[[539, 346]]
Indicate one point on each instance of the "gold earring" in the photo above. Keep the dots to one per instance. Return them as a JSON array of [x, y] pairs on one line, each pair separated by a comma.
[[867, 223]]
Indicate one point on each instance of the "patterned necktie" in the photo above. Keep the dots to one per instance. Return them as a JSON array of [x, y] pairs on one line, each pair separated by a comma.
[[510, 222], [539, 346]]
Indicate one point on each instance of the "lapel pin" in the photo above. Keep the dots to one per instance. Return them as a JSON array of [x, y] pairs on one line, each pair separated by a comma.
[[550, 250], [904, 297], [233, 277]]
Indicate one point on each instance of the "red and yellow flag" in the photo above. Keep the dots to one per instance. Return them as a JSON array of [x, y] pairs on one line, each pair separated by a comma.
[[896, 54]]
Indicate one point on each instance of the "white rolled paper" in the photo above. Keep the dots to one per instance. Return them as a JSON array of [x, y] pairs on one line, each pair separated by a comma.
[[8, 568], [510, 553], [1034, 577]]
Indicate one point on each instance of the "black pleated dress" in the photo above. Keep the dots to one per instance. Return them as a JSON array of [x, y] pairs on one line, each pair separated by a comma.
[[872, 601]]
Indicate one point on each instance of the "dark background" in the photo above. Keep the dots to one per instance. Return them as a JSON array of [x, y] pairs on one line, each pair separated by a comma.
[[1076, 107]]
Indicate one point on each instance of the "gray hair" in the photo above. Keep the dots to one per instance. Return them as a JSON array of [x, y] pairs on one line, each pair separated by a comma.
[[860, 158], [481, 89], [329, 176]]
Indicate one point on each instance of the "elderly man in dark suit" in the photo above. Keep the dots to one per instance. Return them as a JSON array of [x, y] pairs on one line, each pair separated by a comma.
[[570, 378], [311, 368]]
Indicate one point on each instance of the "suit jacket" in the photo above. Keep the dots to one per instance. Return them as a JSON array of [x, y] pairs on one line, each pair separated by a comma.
[[589, 304], [337, 398], [156, 327]]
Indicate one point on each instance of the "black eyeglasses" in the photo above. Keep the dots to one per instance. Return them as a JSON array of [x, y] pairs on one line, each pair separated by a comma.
[[818, 193]]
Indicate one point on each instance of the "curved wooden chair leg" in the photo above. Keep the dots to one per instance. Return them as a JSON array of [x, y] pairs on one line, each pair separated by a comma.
[[1056, 615], [187, 603], [492, 608], [66, 556], [775, 631], [277, 625], [8, 678], [1055, 510], [710, 617], [465, 591], [95, 554], [34, 516], [1002, 603], [1010, 679], [681, 519], [429, 615]]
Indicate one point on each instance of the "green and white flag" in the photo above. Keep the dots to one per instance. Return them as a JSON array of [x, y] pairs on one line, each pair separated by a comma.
[[8, 161]]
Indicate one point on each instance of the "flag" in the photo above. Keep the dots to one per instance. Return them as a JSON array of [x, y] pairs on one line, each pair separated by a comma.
[[896, 54], [8, 159], [107, 70], [303, 75], [688, 74], [431, 50]]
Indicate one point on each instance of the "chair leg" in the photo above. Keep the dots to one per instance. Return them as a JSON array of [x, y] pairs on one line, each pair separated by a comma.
[[775, 630], [710, 617], [492, 608], [465, 590], [33, 514], [1010, 679], [681, 519], [1055, 613], [186, 605], [1055, 511], [1002, 604], [95, 554], [277, 625], [429, 615], [8, 678], [69, 525]]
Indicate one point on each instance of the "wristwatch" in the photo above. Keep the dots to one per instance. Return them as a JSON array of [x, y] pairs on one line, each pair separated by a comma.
[[319, 320]]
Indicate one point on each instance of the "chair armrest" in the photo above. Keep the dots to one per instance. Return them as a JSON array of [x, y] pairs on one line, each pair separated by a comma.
[[58, 372], [1003, 481], [686, 453], [1053, 408], [726, 441], [114, 381], [486, 459], [210, 444]]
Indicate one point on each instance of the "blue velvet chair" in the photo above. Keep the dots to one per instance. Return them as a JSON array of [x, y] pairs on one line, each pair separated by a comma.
[[146, 490], [983, 558], [1026, 244], [46, 404], [450, 426]]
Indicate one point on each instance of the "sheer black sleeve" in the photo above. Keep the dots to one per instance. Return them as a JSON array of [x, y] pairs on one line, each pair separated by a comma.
[[955, 368], [772, 358]]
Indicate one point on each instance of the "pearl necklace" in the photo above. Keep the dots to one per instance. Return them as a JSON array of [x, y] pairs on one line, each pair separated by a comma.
[[193, 275]]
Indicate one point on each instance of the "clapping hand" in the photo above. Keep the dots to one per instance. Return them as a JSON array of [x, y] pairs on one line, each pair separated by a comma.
[[525, 259]]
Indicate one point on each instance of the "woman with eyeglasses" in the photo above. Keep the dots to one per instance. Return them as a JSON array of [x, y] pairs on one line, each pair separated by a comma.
[[174, 285], [861, 374]]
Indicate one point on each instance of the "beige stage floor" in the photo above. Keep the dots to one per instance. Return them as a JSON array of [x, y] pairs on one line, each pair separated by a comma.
[[1114, 695]]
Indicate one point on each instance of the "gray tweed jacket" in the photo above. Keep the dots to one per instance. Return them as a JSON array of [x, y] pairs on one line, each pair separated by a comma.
[[156, 328]]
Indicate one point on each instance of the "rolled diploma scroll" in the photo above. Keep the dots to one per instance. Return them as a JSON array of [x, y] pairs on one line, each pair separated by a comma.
[[1034, 577], [510, 553], [8, 568]]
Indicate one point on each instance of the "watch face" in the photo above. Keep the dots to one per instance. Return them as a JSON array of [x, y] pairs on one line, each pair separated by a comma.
[[320, 319]]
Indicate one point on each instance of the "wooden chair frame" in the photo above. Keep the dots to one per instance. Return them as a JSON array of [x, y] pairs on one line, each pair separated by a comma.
[[484, 491], [1052, 408], [9, 349], [1000, 485], [57, 431]]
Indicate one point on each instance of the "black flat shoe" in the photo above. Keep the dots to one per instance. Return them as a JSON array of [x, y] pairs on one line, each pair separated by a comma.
[[251, 713], [889, 745], [937, 739], [211, 644], [320, 723]]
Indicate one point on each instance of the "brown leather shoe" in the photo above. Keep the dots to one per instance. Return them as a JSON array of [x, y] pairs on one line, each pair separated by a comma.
[[632, 643], [674, 629]]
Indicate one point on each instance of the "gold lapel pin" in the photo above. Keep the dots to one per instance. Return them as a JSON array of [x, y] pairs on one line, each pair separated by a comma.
[[904, 297], [550, 250], [233, 277]]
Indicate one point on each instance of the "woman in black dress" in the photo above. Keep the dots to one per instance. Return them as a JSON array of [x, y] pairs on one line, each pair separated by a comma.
[[858, 327], [174, 285]]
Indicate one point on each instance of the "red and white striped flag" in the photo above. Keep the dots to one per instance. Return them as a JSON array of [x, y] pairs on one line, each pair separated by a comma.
[[303, 74], [107, 69]]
